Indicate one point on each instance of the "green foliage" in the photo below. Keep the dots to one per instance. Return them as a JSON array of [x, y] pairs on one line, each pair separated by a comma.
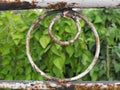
[[55, 60]]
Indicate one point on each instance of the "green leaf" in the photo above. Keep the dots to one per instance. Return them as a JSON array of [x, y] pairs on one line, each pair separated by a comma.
[[1, 76], [55, 50], [78, 53], [85, 59], [82, 23], [37, 35], [28, 76], [28, 70], [1, 23], [93, 75], [9, 77], [117, 67], [16, 41], [23, 29], [68, 29], [44, 41], [6, 60], [59, 62], [17, 36], [118, 54], [70, 50], [78, 69], [57, 72], [98, 19], [5, 50], [63, 57]]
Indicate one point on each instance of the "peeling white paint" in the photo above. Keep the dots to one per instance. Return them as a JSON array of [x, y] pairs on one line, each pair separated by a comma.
[[81, 3], [47, 85], [63, 4]]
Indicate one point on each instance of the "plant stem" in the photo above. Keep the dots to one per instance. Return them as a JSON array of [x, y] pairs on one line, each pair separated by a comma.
[[108, 61]]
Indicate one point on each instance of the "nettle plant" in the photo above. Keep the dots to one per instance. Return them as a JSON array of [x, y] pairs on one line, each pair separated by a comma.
[[56, 60]]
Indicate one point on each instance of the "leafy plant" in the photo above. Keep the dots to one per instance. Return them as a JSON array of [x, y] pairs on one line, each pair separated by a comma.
[[53, 59]]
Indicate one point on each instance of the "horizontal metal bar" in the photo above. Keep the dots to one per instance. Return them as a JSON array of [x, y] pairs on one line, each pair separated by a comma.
[[30, 4], [49, 85]]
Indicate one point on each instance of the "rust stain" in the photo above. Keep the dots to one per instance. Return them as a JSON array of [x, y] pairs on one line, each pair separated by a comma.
[[47, 85], [17, 0], [6, 5], [74, 4], [34, 2], [118, 5], [67, 14], [97, 87], [1, 1], [118, 86], [58, 5], [17, 5], [8, 1], [80, 87]]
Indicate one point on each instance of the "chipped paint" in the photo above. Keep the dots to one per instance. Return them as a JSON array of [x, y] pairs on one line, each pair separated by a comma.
[[58, 5], [16, 5], [31, 4], [64, 43], [118, 5], [47, 85]]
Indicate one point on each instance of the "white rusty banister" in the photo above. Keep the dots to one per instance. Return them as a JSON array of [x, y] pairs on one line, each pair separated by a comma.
[[48, 85], [29, 4], [52, 85]]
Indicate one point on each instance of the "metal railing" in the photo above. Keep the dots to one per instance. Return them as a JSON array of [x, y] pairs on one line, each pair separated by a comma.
[[63, 9], [48, 85], [29, 4], [69, 13]]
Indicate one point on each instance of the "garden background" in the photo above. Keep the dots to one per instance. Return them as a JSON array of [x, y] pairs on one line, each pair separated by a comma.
[[56, 60]]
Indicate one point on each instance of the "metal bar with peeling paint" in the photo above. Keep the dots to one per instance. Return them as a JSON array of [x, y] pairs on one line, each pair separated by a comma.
[[32, 4], [48, 85]]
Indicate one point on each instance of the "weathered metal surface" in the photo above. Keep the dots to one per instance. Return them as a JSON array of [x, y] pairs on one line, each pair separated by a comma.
[[61, 11], [69, 15], [47, 85], [29, 4]]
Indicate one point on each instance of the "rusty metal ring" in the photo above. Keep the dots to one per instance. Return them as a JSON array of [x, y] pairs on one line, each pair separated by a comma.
[[64, 43], [59, 79]]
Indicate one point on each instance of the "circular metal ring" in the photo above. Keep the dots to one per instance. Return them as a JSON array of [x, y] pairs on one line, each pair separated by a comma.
[[64, 43], [59, 79]]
